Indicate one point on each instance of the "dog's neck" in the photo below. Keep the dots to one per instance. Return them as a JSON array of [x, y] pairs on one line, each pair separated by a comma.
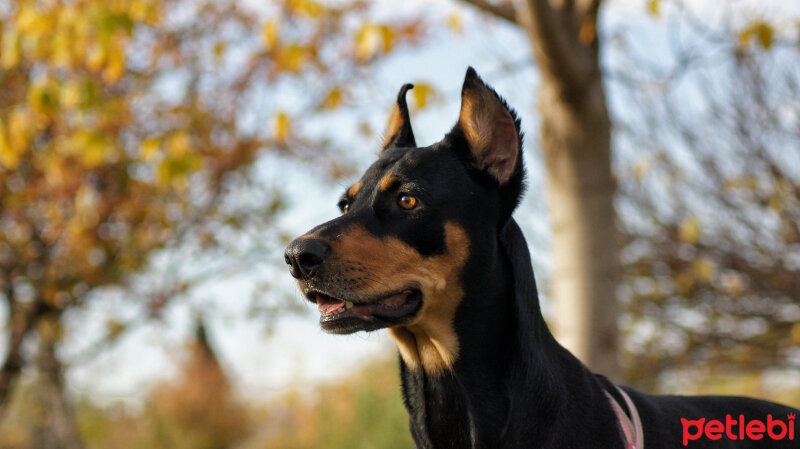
[[508, 387]]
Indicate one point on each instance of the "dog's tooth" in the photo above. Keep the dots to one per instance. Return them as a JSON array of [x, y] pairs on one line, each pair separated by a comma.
[[348, 305]]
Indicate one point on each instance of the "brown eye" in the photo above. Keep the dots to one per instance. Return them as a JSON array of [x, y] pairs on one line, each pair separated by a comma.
[[407, 201], [344, 206]]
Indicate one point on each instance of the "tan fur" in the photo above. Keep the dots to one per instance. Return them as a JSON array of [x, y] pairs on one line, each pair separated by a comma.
[[476, 120], [395, 123], [351, 192], [387, 182], [429, 341], [490, 132]]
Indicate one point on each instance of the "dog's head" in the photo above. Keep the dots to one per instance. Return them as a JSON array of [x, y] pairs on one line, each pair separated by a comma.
[[396, 256]]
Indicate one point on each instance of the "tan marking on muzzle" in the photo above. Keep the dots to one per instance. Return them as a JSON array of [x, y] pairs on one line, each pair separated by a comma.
[[429, 341]]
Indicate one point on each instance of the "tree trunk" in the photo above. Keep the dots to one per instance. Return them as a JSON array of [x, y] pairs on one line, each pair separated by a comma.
[[575, 143], [22, 318], [576, 147], [62, 432]]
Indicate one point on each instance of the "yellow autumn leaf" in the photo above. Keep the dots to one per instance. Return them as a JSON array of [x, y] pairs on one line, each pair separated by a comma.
[[684, 282], [30, 21], [269, 34], [796, 334], [307, 8], [95, 151], [139, 10], [281, 127], [765, 35], [179, 144], [219, 49], [368, 41], [115, 64], [776, 204], [423, 93], [689, 231], [734, 284], [454, 22], [8, 157], [95, 57], [333, 99], [292, 58], [388, 37], [654, 7], [61, 49], [70, 94], [704, 269], [11, 49], [763, 32], [149, 148], [20, 130], [43, 96]]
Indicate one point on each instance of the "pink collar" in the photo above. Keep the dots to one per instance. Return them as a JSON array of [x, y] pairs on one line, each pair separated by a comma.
[[631, 427]]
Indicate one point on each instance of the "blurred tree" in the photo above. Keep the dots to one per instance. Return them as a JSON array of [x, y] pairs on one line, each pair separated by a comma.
[[198, 410], [710, 195], [121, 139]]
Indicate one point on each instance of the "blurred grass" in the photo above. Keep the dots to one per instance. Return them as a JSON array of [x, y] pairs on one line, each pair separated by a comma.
[[363, 411]]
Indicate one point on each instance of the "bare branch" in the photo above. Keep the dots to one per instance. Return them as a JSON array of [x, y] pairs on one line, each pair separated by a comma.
[[503, 11]]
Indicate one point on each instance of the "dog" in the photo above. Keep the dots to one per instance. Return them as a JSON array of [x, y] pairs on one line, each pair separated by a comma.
[[426, 246]]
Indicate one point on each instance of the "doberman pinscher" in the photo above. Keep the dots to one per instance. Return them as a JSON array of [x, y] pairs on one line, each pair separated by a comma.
[[426, 247]]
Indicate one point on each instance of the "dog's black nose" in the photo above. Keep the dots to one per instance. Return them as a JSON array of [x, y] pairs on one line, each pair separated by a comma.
[[305, 255]]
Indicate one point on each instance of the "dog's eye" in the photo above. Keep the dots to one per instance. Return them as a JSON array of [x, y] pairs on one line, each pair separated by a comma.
[[344, 206], [406, 201]]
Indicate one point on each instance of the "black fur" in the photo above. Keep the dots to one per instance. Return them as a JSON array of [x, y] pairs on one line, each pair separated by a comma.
[[512, 385]]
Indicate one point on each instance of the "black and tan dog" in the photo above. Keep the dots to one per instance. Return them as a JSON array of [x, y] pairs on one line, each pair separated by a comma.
[[426, 247]]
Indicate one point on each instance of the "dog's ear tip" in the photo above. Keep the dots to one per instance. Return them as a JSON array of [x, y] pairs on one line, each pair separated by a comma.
[[471, 78], [401, 96], [398, 132]]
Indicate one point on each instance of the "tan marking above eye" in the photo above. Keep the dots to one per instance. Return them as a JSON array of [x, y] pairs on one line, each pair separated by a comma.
[[387, 182], [353, 190], [429, 341]]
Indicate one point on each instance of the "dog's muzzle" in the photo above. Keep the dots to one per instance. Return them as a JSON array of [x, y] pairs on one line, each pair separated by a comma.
[[305, 256]]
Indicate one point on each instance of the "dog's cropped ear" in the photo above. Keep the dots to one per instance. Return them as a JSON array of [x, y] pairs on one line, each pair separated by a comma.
[[398, 132], [491, 129]]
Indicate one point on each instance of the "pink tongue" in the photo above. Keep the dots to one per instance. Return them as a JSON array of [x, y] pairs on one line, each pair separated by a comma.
[[328, 306]]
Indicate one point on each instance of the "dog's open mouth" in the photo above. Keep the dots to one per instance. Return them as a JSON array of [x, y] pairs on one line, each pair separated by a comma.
[[340, 316]]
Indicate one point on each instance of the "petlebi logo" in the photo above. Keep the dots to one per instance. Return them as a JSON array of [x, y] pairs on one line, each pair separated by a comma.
[[738, 429]]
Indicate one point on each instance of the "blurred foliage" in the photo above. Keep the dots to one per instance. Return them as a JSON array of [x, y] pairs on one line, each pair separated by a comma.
[[196, 410], [122, 137], [362, 411], [710, 202]]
